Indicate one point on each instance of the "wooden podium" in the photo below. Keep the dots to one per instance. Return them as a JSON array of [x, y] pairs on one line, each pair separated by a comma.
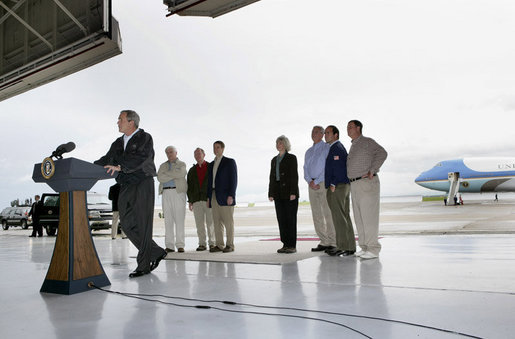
[[75, 261]]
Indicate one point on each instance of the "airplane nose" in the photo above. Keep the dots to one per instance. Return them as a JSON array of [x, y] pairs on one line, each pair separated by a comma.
[[425, 179], [419, 178], [422, 179]]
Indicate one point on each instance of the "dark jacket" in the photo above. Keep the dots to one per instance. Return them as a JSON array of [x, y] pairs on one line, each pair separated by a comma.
[[195, 191], [288, 183], [114, 192], [35, 211], [336, 165], [137, 161], [225, 182]]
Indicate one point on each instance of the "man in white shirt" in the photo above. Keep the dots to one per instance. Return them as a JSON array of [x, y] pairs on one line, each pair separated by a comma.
[[172, 185]]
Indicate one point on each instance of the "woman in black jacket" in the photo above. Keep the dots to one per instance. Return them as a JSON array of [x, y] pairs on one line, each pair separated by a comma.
[[283, 190]]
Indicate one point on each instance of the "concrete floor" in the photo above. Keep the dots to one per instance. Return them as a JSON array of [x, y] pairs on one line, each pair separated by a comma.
[[422, 286]]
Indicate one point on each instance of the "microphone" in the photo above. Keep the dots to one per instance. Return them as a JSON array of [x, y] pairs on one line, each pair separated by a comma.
[[61, 149]]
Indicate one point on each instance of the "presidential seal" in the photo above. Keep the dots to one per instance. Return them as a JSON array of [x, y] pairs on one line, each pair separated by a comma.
[[47, 168]]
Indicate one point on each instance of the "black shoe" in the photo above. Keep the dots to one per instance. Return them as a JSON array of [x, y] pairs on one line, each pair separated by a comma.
[[346, 253], [32, 236], [319, 248], [154, 264], [289, 250], [329, 248], [334, 252], [215, 249], [137, 273], [201, 248]]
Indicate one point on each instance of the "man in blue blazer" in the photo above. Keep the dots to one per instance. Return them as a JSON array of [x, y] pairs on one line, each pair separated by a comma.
[[221, 197]]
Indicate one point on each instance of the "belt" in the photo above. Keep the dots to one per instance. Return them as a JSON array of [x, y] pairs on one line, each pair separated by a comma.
[[356, 179], [168, 188]]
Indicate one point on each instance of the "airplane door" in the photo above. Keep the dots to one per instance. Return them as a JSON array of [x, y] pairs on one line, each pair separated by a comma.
[[453, 185], [454, 176]]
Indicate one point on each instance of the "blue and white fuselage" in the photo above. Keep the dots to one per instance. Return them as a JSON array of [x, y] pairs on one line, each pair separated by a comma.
[[476, 175]]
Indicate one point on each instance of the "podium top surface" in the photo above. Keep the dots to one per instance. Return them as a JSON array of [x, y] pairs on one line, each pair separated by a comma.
[[69, 174]]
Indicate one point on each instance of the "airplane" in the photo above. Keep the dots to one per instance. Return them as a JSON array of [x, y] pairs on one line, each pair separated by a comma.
[[470, 175]]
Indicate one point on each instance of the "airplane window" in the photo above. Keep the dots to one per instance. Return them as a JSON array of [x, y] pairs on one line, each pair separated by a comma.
[[438, 165]]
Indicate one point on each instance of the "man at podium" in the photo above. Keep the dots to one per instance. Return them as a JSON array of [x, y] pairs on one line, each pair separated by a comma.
[[132, 156]]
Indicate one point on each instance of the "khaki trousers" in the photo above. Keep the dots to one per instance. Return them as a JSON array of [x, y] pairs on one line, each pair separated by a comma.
[[174, 210], [114, 225], [339, 203], [322, 219], [223, 217], [365, 206], [204, 220]]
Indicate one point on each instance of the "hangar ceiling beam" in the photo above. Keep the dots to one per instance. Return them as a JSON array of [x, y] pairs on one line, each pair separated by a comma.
[[14, 8], [71, 16], [29, 27]]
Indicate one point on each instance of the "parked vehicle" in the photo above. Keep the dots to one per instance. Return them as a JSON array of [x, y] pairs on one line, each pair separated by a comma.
[[49, 217], [16, 216], [100, 211]]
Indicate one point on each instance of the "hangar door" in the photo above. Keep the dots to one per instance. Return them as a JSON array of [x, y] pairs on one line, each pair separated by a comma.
[[43, 40]]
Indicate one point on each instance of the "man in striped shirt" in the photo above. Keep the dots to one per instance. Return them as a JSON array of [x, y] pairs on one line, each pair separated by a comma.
[[363, 162]]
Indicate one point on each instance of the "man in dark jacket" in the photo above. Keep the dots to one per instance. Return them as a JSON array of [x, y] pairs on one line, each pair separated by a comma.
[[221, 195], [197, 200], [35, 212], [132, 157], [338, 193]]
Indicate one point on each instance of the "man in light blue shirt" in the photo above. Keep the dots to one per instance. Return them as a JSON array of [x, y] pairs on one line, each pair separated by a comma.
[[314, 168]]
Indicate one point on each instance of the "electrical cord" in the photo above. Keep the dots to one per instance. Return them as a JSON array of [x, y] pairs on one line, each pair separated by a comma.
[[233, 303], [144, 297]]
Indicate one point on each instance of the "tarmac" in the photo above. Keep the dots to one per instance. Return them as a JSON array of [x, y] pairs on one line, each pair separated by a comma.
[[403, 217], [443, 272]]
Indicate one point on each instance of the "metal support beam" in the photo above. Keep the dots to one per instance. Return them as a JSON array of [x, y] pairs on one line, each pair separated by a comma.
[[71, 16], [29, 27], [14, 8], [185, 8]]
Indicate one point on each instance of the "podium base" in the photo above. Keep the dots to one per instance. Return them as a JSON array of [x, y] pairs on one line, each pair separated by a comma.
[[74, 286], [75, 262]]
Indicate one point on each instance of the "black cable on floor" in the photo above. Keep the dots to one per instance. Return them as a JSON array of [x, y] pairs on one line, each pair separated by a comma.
[[141, 297]]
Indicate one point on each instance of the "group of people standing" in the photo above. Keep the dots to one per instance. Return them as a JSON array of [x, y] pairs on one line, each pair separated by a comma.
[[210, 190], [131, 159], [333, 175]]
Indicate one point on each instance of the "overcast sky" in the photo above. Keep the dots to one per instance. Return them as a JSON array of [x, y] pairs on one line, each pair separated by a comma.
[[430, 80]]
